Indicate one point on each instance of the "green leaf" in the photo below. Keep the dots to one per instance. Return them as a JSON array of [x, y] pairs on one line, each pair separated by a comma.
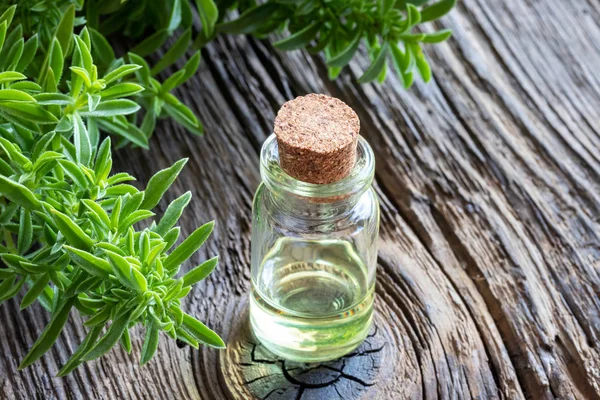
[[437, 10], [150, 342], [89, 262], [200, 272], [46, 99], [19, 194], [151, 43], [71, 231], [201, 332], [121, 90], [29, 51], [83, 74], [64, 31], [56, 59], [28, 112], [102, 51], [15, 95], [49, 335], [376, 66], [11, 76], [189, 246], [129, 131], [8, 15], [342, 58], [300, 39], [402, 64], [127, 274], [422, 64], [98, 210], [251, 20], [114, 107], [173, 213], [159, 183], [3, 28], [183, 115], [25, 235], [176, 51], [209, 14], [134, 218], [190, 67], [120, 72], [111, 338], [86, 56], [103, 163], [35, 291], [75, 360], [437, 37], [81, 140]]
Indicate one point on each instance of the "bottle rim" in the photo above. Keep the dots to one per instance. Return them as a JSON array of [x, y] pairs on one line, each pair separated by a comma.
[[276, 179]]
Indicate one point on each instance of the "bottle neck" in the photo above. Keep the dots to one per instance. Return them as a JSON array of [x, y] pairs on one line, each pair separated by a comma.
[[310, 200]]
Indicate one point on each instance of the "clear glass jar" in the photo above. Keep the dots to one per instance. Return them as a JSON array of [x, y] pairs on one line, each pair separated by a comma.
[[314, 258]]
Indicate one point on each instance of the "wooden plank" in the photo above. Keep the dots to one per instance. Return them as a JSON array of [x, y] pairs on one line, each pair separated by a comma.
[[489, 179]]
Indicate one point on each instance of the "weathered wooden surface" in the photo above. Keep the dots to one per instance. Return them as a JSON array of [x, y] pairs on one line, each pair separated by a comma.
[[489, 180]]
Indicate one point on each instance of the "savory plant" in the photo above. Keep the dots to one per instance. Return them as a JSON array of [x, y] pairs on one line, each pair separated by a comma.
[[67, 224]]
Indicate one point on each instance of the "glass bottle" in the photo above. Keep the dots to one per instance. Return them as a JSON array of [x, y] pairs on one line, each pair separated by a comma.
[[314, 257]]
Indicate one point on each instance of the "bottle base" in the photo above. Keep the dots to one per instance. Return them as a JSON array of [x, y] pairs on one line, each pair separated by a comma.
[[310, 340]]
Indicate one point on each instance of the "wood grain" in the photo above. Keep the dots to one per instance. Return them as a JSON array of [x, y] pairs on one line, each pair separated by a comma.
[[489, 181]]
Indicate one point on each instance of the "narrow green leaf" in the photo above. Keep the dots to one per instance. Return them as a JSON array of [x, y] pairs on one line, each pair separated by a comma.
[[49, 335], [250, 21], [15, 95], [176, 51], [114, 107], [300, 39], [56, 59], [89, 262], [342, 58], [121, 90], [201, 332], [120, 72], [25, 235], [134, 218], [102, 51], [11, 76], [8, 15], [29, 51], [159, 183], [189, 246], [111, 338], [200, 272], [71, 231], [376, 66], [173, 213], [437, 10], [437, 37], [64, 31], [151, 43], [150, 342], [103, 162], [75, 360], [130, 131], [81, 140], [127, 274], [209, 14], [35, 291], [19, 194]]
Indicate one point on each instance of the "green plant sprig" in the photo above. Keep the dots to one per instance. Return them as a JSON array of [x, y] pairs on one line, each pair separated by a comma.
[[68, 225], [338, 27]]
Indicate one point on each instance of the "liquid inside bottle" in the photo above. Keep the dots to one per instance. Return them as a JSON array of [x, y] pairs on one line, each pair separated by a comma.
[[311, 300]]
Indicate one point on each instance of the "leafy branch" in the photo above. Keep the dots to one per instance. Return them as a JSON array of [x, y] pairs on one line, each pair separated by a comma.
[[68, 225]]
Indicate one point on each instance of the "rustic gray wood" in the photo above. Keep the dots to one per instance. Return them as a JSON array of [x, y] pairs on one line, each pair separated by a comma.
[[489, 180]]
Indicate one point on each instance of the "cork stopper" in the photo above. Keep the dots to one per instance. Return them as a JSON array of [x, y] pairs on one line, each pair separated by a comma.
[[317, 137]]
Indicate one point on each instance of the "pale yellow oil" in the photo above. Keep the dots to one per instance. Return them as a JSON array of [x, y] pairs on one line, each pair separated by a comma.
[[311, 300]]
